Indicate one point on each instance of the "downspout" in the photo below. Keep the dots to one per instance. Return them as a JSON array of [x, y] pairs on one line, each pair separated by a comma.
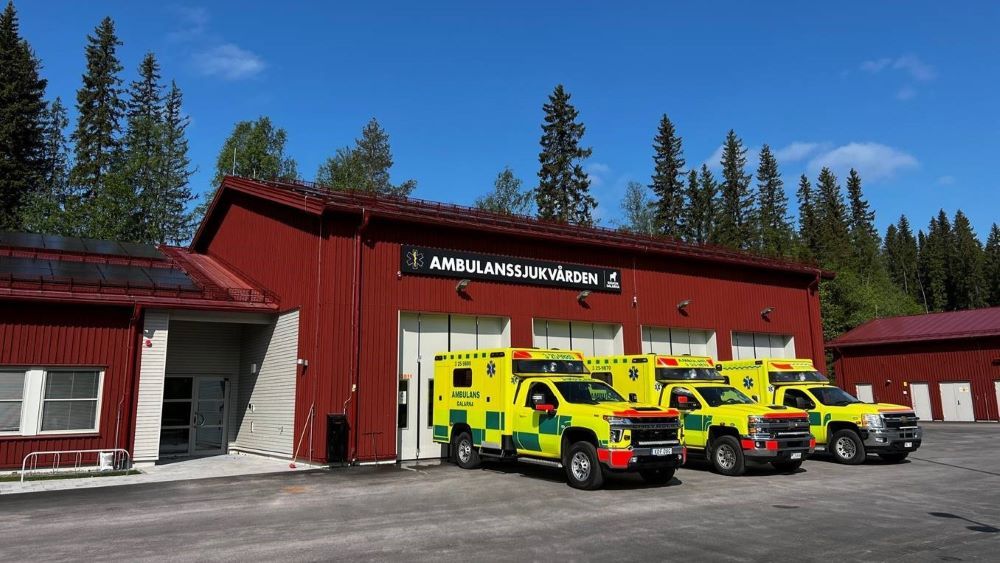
[[814, 286], [130, 390], [356, 327]]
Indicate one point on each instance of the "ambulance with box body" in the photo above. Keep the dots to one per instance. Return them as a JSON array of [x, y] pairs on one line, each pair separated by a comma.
[[541, 406], [844, 426], [719, 421]]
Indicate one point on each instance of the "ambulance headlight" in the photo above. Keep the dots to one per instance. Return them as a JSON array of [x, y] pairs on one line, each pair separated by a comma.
[[755, 419], [617, 420], [874, 421], [616, 434]]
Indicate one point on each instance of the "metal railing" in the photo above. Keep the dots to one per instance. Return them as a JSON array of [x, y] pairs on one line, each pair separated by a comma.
[[120, 460]]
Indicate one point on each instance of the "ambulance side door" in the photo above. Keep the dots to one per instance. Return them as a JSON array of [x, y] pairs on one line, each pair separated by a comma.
[[532, 427], [695, 422], [800, 399]]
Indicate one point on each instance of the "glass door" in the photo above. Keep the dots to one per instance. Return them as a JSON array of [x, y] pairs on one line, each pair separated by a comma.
[[177, 416], [194, 416]]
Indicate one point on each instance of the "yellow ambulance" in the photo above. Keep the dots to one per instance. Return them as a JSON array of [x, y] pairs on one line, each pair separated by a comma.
[[720, 422], [541, 406], [844, 426]]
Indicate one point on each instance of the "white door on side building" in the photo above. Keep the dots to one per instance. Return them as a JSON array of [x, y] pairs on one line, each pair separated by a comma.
[[920, 397], [864, 392], [956, 401], [421, 337], [996, 386]]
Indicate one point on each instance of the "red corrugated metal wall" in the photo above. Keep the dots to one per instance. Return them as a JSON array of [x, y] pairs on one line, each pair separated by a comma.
[[58, 335], [277, 247], [969, 360]]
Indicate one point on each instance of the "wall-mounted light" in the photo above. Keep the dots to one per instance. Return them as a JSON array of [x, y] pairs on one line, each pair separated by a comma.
[[461, 285], [583, 295], [765, 313], [682, 306]]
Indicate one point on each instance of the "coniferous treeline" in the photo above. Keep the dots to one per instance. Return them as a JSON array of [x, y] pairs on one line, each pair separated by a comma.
[[124, 171]]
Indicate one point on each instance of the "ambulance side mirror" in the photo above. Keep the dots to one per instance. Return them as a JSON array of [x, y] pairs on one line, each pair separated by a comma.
[[633, 398]]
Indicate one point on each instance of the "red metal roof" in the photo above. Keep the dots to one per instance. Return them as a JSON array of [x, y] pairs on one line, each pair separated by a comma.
[[170, 277], [916, 328], [314, 199]]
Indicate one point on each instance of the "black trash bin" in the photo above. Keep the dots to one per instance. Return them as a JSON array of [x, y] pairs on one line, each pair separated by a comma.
[[336, 438]]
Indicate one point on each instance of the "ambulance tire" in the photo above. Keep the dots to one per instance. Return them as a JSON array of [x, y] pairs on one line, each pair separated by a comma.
[[847, 447], [727, 456], [583, 469], [657, 476], [466, 455], [893, 458], [787, 466]]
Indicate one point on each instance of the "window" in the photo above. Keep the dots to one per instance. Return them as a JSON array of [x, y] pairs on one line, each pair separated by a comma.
[[678, 341], [798, 399], [604, 376], [588, 392], [541, 394], [11, 399], [70, 401], [36, 400], [681, 396], [751, 345], [462, 377]]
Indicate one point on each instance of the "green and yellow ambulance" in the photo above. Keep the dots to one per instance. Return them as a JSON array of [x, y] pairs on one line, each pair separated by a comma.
[[541, 406], [720, 422], [847, 428]]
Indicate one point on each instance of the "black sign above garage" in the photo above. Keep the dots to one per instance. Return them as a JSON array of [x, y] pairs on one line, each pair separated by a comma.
[[472, 265]]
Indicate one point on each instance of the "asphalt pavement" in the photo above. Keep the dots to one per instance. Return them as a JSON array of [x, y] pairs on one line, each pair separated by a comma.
[[943, 504]]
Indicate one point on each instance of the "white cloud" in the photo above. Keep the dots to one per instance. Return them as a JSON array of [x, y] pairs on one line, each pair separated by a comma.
[[946, 181], [874, 161], [796, 151], [597, 172], [715, 158], [906, 93], [877, 65], [229, 61], [916, 68], [193, 23]]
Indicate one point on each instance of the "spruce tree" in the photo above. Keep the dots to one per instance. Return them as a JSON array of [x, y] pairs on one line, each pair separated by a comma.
[[44, 210], [172, 223], [563, 192], [864, 235], [774, 227], [22, 114], [507, 196], [833, 240], [968, 281], [991, 266], [808, 227], [668, 180], [143, 152], [936, 248], [734, 223], [364, 167], [639, 211], [699, 211], [100, 108], [900, 248]]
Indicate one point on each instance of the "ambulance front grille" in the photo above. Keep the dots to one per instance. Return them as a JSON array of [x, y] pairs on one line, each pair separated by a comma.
[[903, 420], [654, 437]]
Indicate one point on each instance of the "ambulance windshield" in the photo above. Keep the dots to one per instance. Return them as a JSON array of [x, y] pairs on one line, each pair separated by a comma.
[[805, 376], [717, 396], [568, 367], [833, 396], [687, 374], [588, 392]]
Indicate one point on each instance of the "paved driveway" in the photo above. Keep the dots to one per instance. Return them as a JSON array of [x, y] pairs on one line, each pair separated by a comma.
[[942, 505]]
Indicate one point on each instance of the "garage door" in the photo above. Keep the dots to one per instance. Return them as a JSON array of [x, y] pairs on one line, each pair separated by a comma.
[[755, 345], [956, 401], [421, 336], [593, 339], [678, 341]]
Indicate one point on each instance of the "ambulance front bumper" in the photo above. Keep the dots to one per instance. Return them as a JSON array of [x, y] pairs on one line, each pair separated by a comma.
[[782, 449], [635, 459], [891, 440]]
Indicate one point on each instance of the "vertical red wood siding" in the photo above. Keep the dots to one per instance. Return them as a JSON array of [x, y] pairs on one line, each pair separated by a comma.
[[48, 335], [976, 360], [279, 248]]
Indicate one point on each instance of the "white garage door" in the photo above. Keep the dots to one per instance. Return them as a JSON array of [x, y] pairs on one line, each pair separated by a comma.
[[754, 345], [421, 336], [593, 339], [678, 341], [956, 401]]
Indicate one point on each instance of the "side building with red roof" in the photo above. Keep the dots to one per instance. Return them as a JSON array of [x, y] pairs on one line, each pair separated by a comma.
[[945, 365]]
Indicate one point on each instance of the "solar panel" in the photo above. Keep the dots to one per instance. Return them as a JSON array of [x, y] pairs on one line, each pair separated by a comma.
[[91, 273], [80, 245], [164, 277]]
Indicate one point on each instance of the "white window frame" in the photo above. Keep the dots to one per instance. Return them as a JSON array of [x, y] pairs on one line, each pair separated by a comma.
[[711, 344], [24, 392], [33, 400]]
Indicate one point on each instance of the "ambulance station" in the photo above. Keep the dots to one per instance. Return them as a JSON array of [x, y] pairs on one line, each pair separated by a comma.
[[304, 323]]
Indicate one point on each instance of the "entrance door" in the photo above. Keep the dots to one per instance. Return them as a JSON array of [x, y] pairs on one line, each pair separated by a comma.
[[996, 386], [864, 391], [956, 401], [921, 398], [194, 416]]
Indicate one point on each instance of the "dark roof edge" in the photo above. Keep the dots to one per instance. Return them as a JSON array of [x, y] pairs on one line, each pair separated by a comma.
[[835, 343]]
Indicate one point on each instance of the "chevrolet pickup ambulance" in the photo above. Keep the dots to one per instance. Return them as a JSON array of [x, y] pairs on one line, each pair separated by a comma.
[[719, 421], [541, 406], [844, 426]]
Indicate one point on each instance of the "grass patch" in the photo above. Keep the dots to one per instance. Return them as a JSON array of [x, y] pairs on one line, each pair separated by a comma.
[[14, 477]]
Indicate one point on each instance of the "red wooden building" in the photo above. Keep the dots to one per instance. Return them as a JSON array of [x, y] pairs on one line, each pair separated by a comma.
[[357, 294], [945, 365]]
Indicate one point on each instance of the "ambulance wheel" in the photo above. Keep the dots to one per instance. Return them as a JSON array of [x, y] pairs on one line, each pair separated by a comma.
[[727, 456], [893, 458], [847, 448], [787, 466], [658, 476], [583, 470], [466, 455]]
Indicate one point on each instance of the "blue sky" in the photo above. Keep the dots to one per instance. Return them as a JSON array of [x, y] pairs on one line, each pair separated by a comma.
[[905, 92]]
